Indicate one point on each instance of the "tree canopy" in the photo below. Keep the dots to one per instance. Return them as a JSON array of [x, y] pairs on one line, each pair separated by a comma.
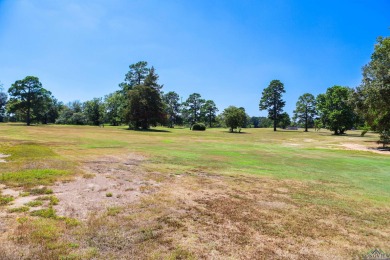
[[234, 118], [135, 76], [3, 101], [27, 96], [272, 101], [372, 96], [209, 111], [145, 107], [305, 110], [335, 109], [172, 108], [192, 108]]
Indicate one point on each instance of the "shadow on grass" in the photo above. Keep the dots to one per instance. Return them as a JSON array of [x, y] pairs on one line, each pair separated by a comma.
[[148, 130], [239, 133]]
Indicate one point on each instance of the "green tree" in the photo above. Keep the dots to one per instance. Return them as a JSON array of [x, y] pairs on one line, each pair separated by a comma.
[[255, 121], [192, 108], [372, 96], [151, 80], [305, 110], [136, 76], [94, 111], [271, 100], [172, 107], [145, 107], [284, 120], [234, 118], [47, 109], [26, 96], [335, 109], [209, 111], [72, 114], [3, 102], [115, 108]]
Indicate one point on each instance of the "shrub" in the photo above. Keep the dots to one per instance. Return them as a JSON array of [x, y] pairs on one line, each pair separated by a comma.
[[198, 127]]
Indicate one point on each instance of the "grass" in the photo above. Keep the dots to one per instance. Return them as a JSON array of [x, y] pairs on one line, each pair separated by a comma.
[[218, 192], [4, 200]]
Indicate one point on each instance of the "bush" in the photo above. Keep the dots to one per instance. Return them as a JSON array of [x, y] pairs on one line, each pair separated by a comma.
[[198, 127]]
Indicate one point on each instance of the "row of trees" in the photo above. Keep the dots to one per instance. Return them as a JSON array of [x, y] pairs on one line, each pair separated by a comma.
[[141, 103], [341, 108]]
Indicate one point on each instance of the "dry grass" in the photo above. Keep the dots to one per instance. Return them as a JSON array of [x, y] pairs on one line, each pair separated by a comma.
[[211, 196]]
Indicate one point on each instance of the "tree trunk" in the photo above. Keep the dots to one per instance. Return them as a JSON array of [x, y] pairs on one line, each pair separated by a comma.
[[306, 119], [275, 117]]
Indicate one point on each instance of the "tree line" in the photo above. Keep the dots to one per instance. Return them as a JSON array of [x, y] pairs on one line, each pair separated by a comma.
[[140, 103]]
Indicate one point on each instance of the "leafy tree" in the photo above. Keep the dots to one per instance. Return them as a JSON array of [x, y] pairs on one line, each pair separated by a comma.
[[47, 109], [136, 76], [115, 108], [94, 111], [234, 118], [305, 110], [271, 100], [172, 107], [145, 107], [335, 109], [284, 120], [192, 108], [255, 121], [27, 96], [3, 102], [72, 114], [372, 96], [265, 122], [209, 111]]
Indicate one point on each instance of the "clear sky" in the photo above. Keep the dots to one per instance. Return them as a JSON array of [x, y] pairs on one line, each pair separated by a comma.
[[226, 50]]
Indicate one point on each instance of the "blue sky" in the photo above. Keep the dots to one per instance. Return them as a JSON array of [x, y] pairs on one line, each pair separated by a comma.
[[227, 51]]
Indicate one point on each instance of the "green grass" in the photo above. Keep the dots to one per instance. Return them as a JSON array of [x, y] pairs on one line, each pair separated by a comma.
[[19, 209], [45, 213], [331, 194], [4, 200], [295, 155], [32, 177]]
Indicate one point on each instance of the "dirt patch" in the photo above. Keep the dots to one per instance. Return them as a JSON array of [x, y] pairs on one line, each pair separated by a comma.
[[359, 147], [110, 182], [2, 156]]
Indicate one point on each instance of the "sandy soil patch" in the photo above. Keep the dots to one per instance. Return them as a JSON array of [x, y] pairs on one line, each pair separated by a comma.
[[111, 182], [359, 147]]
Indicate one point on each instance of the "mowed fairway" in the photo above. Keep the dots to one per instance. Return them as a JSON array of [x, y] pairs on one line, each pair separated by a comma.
[[179, 194]]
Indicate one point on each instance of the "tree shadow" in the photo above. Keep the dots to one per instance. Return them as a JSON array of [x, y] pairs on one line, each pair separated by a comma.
[[148, 130], [235, 132]]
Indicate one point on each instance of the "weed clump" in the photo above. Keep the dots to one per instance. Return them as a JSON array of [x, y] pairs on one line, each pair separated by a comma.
[[45, 213], [19, 209], [34, 203], [4, 200], [40, 191]]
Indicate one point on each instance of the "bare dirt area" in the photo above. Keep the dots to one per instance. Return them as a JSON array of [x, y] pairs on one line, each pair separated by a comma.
[[359, 147], [125, 210], [108, 182]]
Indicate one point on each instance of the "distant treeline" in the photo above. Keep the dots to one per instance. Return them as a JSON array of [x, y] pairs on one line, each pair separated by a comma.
[[140, 102]]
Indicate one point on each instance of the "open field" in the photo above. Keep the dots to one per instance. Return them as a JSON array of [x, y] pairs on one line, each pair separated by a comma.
[[69, 192]]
